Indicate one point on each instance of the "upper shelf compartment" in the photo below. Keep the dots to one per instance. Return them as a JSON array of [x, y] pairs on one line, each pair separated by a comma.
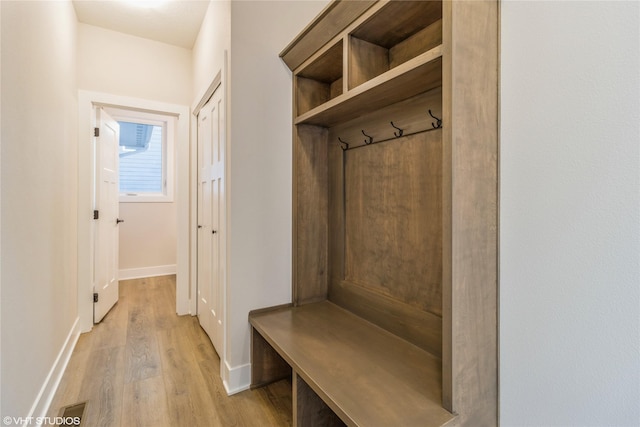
[[417, 75], [395, 34], [392, 52], [321, 80]]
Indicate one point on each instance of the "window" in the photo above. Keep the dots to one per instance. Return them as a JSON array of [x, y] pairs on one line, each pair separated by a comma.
[[146, 156]]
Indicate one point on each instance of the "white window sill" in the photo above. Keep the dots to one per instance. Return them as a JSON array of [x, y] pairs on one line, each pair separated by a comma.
[[144, 198]]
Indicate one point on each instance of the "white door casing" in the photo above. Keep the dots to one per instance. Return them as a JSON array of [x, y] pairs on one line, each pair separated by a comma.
[[105, 283], [211, 151], [186, 208], [205, 257]]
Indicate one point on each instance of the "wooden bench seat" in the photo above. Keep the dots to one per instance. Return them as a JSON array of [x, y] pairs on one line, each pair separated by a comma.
[[365, 375]]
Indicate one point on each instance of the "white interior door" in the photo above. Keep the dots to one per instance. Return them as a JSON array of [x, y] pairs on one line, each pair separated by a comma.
[[211, 253], [105, 285]]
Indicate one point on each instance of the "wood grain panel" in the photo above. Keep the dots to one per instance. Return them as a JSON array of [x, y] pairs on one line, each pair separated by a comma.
[[470, 93], [311, 93], [393, 223], [310, 219], [309, 410], [335, 212], [336, 88], [366, 61], [327, 67], [266, 364], [399, 20], [420, 42], [418, 327]]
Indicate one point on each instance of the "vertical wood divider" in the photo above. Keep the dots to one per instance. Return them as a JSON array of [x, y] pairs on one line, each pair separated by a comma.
[[308, 409], [447, 345]]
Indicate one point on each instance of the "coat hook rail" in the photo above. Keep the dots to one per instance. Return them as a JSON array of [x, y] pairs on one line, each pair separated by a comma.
[[438, 123], [397, 134], [400, 131], [369, 139]]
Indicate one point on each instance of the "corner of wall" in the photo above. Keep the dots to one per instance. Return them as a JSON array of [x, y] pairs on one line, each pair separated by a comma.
[[236, 379]]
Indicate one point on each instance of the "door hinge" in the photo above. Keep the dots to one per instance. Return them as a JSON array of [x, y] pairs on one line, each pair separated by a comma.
[[96, 214], [96, 131], [95, 297]]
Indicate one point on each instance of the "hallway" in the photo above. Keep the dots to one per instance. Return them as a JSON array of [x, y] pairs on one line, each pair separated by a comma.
[[146, 366]]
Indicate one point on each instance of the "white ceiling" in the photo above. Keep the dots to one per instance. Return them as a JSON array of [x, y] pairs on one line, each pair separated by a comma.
[[175, 22]]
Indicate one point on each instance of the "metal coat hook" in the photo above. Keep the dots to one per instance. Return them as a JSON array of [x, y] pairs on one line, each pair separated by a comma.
[[343, 145], [367, 142], [438, 121], [400, 131]]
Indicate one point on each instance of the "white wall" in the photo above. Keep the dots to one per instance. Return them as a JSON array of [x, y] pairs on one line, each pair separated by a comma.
[[260, 114], [39, 195], [208, 50], [570, 214], [148, 235], [119, 64], [1, 412]]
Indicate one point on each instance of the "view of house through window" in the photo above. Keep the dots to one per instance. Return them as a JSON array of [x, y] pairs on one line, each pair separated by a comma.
[[141, 158], [145, 155]]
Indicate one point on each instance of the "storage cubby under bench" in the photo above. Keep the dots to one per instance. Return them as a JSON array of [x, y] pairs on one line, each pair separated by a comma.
[[364, 374]]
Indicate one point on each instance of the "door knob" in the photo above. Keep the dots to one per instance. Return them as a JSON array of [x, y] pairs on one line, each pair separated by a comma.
[[214, 231], [199, 226], [118, 221]]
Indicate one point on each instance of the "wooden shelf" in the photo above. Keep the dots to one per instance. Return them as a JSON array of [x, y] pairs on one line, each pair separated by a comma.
[[415, 76], [355, 366]]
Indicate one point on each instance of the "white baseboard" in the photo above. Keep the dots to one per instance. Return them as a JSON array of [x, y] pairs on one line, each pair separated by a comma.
[[236, 379], [48, 390], [139, 273]]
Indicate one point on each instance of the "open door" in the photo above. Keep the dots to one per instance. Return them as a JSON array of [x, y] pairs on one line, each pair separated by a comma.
[[106, 205]]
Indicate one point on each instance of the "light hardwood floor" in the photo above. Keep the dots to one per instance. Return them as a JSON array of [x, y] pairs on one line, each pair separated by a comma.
[[146, 366]]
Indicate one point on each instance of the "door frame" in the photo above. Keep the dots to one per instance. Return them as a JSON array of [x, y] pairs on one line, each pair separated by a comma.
[[87, 100]]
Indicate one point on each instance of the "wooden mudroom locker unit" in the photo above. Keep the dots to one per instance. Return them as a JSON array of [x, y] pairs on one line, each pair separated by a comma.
[[393, 320]]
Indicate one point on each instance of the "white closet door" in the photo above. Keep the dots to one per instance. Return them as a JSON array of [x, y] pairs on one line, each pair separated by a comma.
[[211, 144]]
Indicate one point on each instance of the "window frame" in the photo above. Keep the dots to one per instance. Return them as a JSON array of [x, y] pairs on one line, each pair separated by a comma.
[[167, 122]]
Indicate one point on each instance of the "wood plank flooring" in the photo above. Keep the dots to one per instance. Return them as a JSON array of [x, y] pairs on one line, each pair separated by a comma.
[[145, 366]]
